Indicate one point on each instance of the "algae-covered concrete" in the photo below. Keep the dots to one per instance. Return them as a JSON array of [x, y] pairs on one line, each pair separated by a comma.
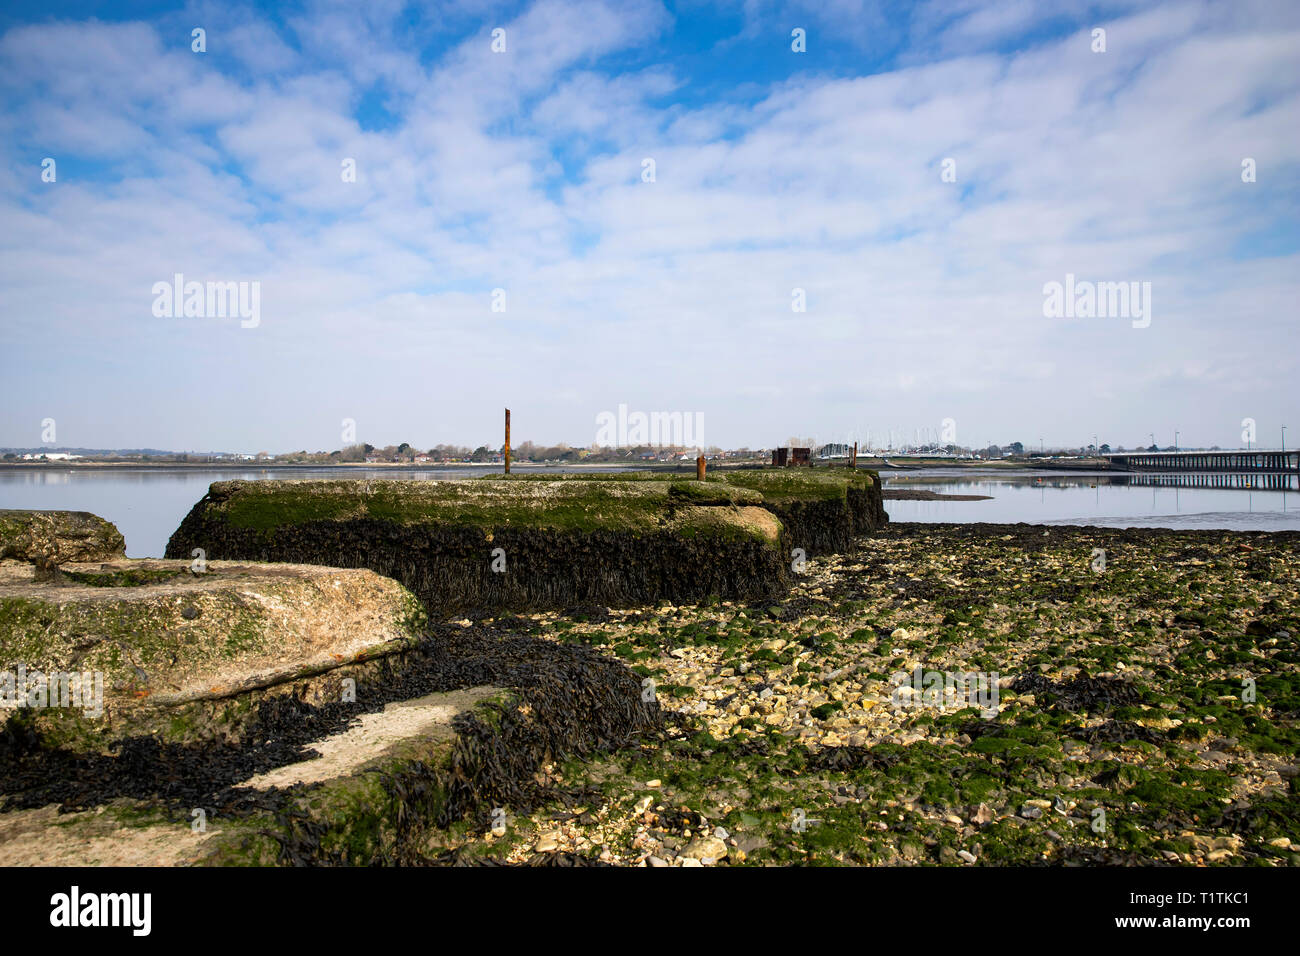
[[821, 509], [149, 646], [51, 538], [506, 545]]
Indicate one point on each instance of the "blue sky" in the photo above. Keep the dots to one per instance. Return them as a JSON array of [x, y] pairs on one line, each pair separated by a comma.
[[523, 171]]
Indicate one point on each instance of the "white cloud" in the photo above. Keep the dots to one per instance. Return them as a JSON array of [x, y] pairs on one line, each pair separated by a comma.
[[522, 171]]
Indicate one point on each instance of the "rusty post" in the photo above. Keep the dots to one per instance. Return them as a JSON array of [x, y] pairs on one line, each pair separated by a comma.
[[699, 468], [507, 441], [853, 462]]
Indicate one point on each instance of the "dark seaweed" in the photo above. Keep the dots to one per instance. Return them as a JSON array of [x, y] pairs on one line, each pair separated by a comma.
[[450, 568], [580, 703]]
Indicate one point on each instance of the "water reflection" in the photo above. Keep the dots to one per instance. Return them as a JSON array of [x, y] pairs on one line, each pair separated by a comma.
[[1176, 500]]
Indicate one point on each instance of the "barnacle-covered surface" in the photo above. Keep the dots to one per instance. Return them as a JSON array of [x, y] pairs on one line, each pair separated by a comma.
[[465, 545]]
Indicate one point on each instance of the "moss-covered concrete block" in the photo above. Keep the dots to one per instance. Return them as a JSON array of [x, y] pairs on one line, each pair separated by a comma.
[[506, 545], [48, 539], [821, 509], [144, 646]]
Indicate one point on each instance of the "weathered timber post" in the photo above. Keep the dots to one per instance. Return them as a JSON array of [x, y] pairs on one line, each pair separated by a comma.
[[699, 468], [853, 462], [507, 441]]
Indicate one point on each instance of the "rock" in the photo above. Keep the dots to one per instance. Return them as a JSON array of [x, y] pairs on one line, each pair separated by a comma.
[[966, 855], [705, 848], [984, 814], [547, 843], [52, 538], [900, 634], [657, 861], [1030, 813], [149, 643]]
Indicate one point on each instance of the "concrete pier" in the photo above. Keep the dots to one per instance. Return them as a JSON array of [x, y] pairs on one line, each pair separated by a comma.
[[1262, 460]]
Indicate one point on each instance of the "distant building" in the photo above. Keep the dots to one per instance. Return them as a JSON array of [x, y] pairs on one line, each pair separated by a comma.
[[789, 457]]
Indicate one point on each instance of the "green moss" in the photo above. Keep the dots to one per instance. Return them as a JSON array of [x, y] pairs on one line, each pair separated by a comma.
[[125, 577], [583, 506], [783, 485]]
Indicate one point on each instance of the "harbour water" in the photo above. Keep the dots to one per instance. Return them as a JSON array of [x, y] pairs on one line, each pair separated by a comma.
[[1238, 502], [147, 504]]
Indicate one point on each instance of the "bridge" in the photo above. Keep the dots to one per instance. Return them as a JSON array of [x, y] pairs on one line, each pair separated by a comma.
[[1256, 460]]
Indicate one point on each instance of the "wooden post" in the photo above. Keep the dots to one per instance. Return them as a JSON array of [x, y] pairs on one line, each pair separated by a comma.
[[699, 468], [853, 462], [507, 441]]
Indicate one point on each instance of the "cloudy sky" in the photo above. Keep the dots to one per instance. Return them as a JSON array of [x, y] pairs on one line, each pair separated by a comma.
[[525, 171]]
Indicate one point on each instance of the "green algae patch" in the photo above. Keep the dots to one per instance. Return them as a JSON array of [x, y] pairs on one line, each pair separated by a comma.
[[126, 577], [591, 506]]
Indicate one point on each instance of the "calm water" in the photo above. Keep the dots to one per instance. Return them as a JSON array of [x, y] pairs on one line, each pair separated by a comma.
[[147, 504], [1105, 500]]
